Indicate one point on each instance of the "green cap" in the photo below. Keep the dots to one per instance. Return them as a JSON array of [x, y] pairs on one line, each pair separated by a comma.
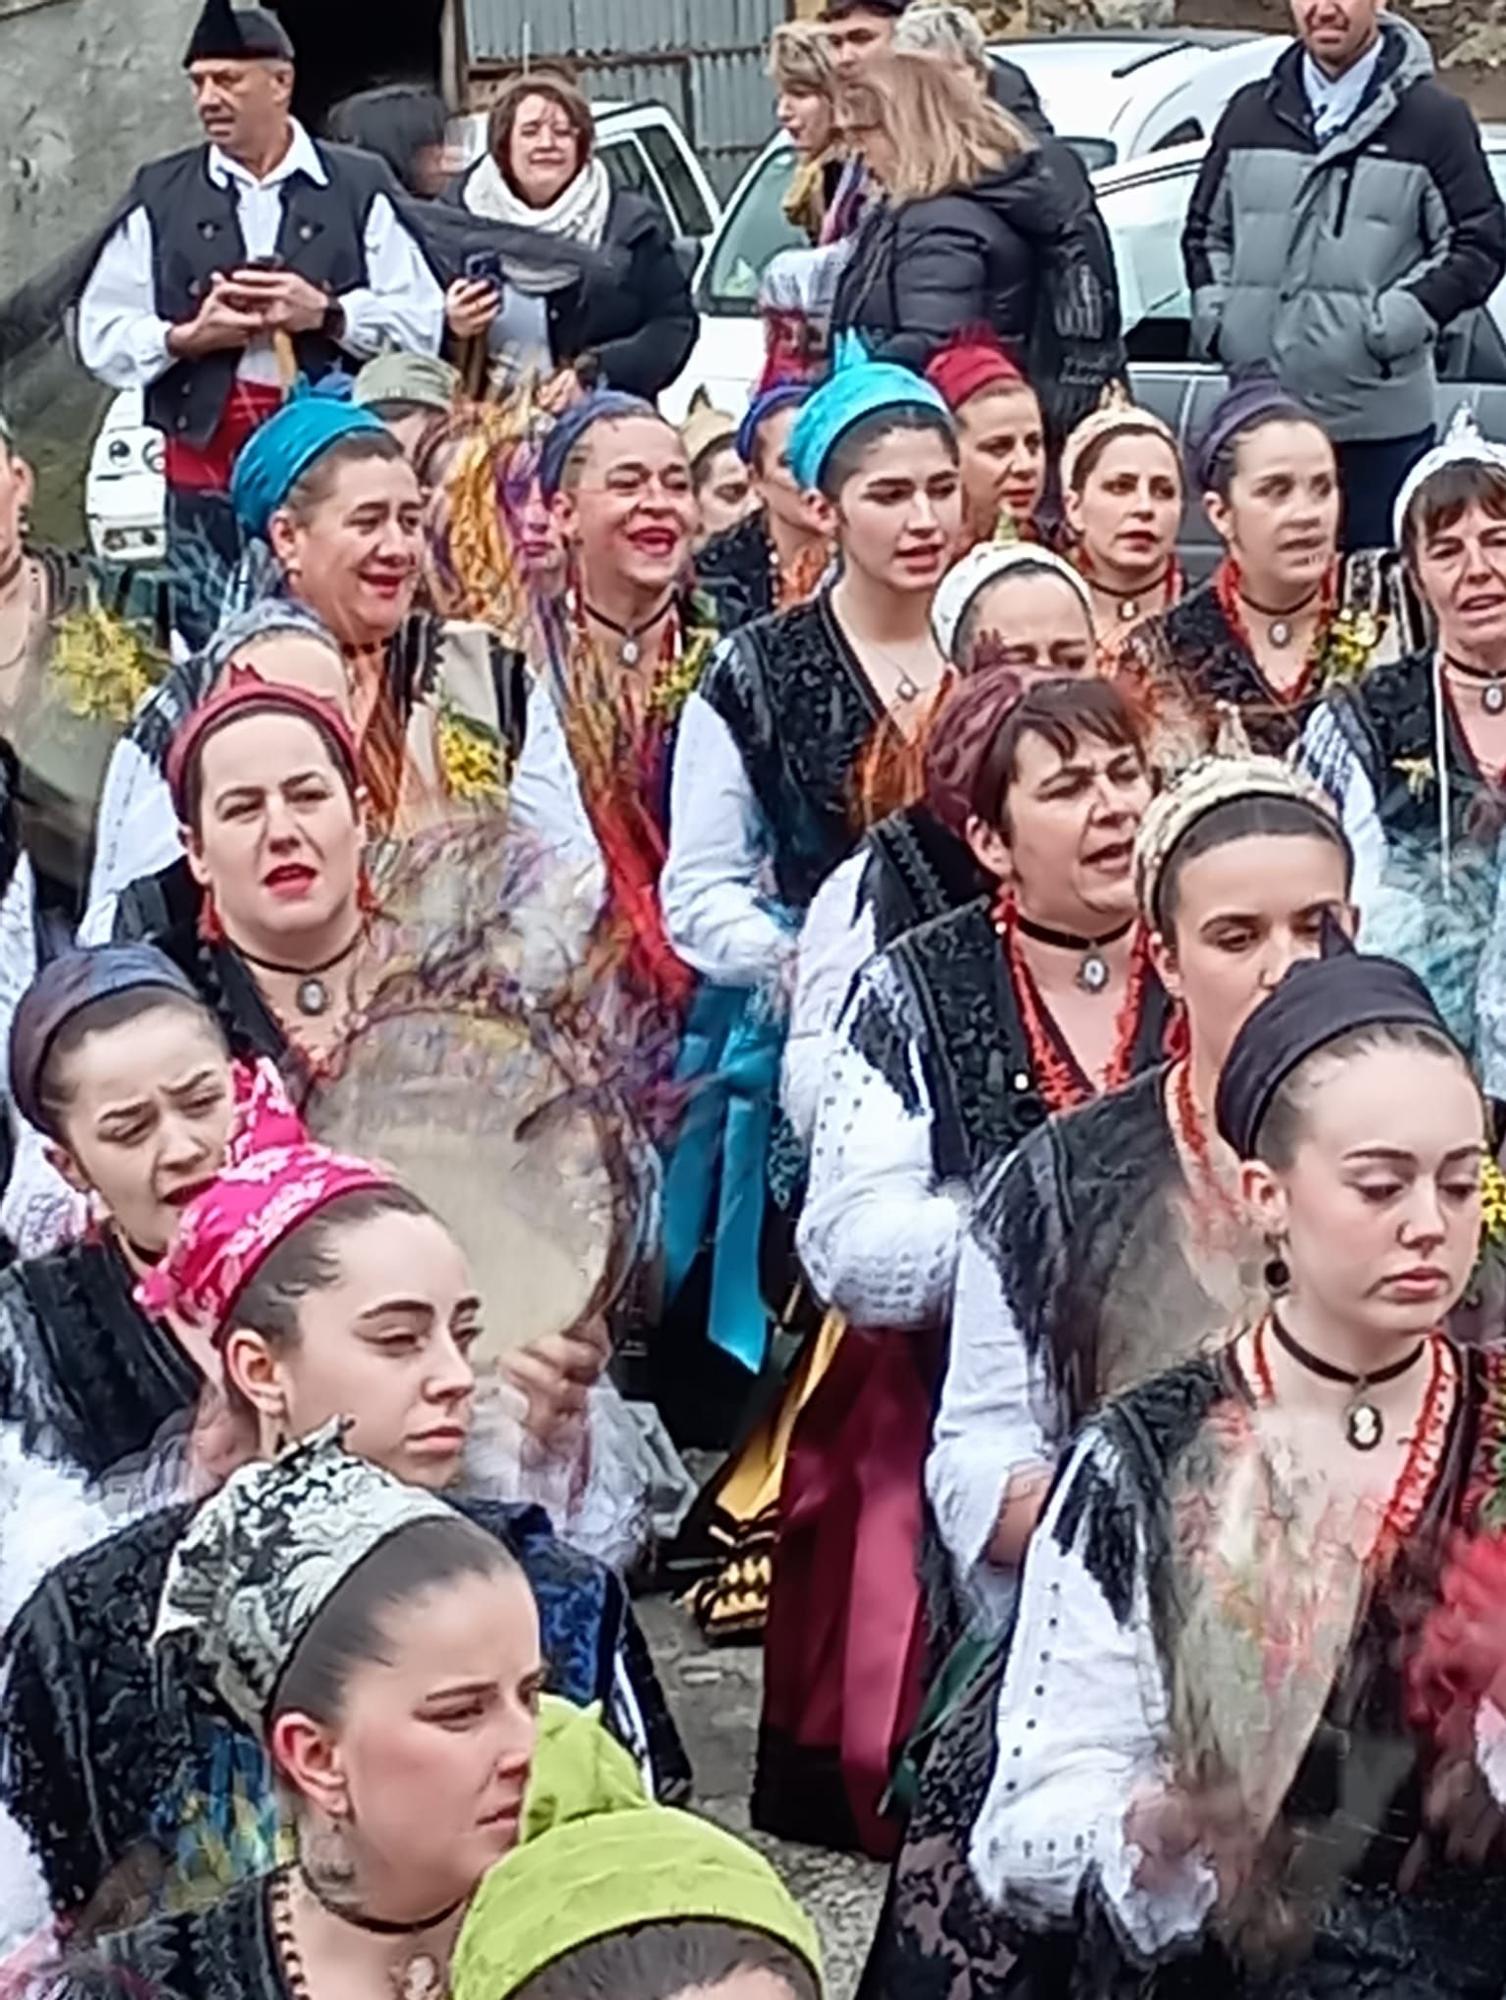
[[407, 378], [597, 1857]]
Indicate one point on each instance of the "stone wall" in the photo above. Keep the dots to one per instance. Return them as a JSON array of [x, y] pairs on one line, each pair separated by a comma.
[[89, 89]]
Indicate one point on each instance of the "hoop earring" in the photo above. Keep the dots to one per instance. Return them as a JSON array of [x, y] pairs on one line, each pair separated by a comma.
[[1278, 1273]]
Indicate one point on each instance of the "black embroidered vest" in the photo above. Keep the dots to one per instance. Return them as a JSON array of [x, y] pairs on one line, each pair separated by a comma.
[[976, 1060], [196, 231], [916, 871], [801, 715]]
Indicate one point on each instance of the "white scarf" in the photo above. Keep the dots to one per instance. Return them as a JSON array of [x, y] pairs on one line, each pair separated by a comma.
[[579, 214]]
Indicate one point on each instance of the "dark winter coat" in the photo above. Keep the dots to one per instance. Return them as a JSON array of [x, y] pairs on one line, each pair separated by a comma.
[[637, 320], [1023, 252], [1341, 264], [920, 270]]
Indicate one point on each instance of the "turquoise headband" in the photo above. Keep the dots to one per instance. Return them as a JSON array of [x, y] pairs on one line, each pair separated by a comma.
[[858, 389], [275, 457]]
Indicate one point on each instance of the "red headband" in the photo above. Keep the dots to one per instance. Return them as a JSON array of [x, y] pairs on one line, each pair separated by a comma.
[[969, 364], [228, 1232], [243, 692]]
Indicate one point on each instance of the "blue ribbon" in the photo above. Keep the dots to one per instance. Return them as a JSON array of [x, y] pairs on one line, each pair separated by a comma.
[[729, 1060]]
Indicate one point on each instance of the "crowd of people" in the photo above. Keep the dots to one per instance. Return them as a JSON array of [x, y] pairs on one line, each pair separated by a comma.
[[542, 938]]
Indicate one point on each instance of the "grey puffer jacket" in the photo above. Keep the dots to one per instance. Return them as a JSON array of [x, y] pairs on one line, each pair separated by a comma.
[[1340, 265]]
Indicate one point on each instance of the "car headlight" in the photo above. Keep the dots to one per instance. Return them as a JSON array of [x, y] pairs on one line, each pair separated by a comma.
[[154, 455], [117, 451]]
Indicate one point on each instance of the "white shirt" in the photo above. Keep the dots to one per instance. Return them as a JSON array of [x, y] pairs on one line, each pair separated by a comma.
[[1083, 1727], [123, 340], [836, 942], [878, 1236], [717, 886]]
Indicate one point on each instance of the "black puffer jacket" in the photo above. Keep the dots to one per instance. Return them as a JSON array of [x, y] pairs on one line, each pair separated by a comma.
[[1019, 252], [919, 270]]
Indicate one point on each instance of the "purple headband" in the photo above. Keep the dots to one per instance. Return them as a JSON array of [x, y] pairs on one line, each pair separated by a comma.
[[1250, 398]]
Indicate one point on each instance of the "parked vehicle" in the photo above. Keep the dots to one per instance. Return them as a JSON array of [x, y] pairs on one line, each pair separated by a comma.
[[124, 495], [642, 147], [1111, 97]]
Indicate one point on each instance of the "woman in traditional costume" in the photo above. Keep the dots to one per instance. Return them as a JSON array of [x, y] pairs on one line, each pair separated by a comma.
[[298, 960], [777, 556], [957, 1041], [763, 804], [381, 1653], [1010, 606], [1242, 661], [1000, 433], [1210, 1768], [326, 1290], [609, 1893], [769, 796], [120, 1067], [1414, 754], [632, 650], [1123, 494]]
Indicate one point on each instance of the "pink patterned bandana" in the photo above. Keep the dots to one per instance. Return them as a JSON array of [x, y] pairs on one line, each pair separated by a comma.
[[230, 1230], [264, 1114]]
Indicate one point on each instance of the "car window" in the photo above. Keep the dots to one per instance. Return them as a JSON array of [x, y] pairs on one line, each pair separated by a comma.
[[1144, 221], [1095, 154], [627, 167], [669, 163], [753, 234]]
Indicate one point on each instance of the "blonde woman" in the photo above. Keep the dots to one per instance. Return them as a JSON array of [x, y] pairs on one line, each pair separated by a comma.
[[967, 211], [805, 85], [978, 227]]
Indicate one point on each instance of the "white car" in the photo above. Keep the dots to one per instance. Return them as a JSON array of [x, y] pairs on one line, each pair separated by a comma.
[[643, 149], [123, 492], [1112, 98]]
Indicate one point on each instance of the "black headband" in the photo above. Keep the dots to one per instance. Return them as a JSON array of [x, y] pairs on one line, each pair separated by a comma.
[[1319, 1001]]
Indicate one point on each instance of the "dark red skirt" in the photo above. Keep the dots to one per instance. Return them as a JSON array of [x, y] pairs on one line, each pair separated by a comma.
[[845, 1648]]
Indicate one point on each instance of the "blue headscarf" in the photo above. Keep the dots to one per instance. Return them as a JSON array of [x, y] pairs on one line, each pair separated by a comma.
[[64, 988], [783, 396], [857, 388], [601, 406], [275, 457]]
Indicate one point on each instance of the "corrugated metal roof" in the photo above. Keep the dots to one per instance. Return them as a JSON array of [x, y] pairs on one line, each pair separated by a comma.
[[497, 31], [703, 58]]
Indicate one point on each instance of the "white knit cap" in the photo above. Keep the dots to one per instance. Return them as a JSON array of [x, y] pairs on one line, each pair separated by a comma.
[[964, 581], [1464, 444]]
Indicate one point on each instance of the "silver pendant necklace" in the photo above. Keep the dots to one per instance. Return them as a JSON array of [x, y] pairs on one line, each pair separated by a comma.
[[1282, 626], [630, 637], [311, 996], [1093, 969], [1492, 686], [1364, 1422]]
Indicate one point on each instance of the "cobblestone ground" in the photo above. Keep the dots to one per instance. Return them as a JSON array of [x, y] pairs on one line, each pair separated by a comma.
[[715, 1694]]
